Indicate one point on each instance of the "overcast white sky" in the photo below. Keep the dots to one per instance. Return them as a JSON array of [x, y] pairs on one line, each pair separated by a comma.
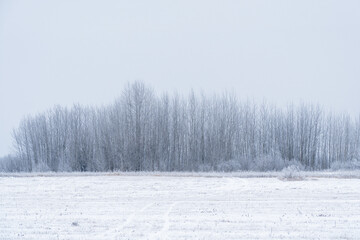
[[62, 52]]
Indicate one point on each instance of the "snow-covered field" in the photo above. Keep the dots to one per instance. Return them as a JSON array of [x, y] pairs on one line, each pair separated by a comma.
[[165, 206]]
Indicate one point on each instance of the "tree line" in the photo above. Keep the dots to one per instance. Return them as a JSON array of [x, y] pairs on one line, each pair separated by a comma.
[[143, 131]]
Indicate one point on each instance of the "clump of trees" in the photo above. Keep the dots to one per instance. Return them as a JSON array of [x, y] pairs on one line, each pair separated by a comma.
[[142, 131]]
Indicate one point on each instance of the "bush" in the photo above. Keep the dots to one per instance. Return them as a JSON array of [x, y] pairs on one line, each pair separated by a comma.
[[229, 166], [349, 165], [262, 163], [12, 164], [268, 163], [295, 163], [41, 167], [205, 168], [292, 173]]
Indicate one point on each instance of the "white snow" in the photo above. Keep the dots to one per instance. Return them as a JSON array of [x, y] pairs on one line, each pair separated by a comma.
[[165, 206]]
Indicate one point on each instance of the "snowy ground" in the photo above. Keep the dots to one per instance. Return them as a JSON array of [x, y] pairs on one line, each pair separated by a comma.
[[161, 206]]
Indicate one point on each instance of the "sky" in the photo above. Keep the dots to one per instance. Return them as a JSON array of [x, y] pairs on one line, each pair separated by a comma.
[[83, 51]]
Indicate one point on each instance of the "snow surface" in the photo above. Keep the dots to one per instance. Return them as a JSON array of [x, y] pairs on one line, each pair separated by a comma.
[[160, 206]]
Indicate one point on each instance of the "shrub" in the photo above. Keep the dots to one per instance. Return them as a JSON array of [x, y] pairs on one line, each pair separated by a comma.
[[294, 163], [291, 173], [229, 166], [205, 168], [268, 163], [349, 165], [41, 167], [12, 164]]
